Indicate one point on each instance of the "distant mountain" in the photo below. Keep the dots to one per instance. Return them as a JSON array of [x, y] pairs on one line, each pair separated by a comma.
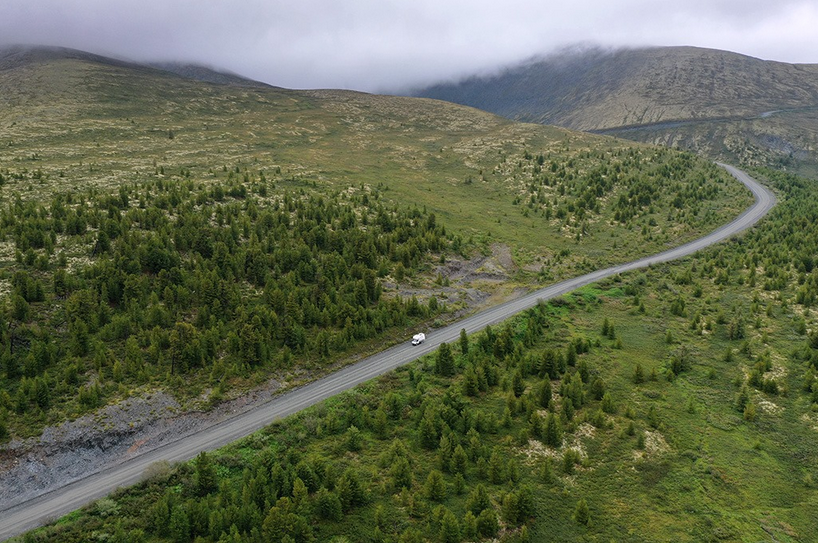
[[624, 91], [18, 56], [597, 89], [208, 75]]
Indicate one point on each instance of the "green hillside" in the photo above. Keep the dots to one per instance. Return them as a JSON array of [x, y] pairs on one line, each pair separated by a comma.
[[78, 122], [156, 229]]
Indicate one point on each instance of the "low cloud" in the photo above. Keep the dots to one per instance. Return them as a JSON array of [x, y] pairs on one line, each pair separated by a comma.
[[377, 45]]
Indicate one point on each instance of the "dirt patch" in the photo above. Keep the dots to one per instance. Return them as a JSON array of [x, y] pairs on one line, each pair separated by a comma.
[[811, 419], [536, 450], [655, 444], [497, 266], [769, 407], [585, 430], [502, 254]]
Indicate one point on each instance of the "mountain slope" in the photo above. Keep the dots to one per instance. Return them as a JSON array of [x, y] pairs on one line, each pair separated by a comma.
[[14, 57], [725, 105], [207, 74], [20, 56], [596, 90], [62, 110]]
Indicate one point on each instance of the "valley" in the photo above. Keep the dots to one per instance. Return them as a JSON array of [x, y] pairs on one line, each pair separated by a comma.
[[198, 252]]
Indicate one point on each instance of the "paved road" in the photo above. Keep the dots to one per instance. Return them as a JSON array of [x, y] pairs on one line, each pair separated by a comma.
[[54, 504]]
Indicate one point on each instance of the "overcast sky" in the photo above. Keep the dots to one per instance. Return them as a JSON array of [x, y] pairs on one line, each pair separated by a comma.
[[377, 45]]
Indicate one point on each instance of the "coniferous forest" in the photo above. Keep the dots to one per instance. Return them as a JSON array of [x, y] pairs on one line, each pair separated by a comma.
[[198, 283]]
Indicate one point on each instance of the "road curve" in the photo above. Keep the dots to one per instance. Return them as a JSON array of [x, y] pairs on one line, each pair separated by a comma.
[[29, 514]]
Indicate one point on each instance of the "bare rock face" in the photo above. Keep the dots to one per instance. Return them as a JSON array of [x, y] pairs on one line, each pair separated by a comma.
[[72, 450]]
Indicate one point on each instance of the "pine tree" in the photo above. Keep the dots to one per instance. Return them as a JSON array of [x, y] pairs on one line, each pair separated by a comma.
[[411, 535], [545, 394], [300, 496], [638, 374], [570, 458], [553, 431], [428, 430], [571, 355], [536, 426], [459, 461], [478, 500], [607, 404], [546, 471], [283, 524], [750, 412], [611, 331], [496, 467], [401, 473], [444, 452], [464, 342], [380, 423], [471, 385], [743, 399], [327, 505], [526, 503], [354, 439], [581, 514], [449, 528], [469, 526], [179, 525], [568, 409], [205, 476], [487, 523], [350, 491], [435, 487], [511, 508], [159, 515], [444, 364], [517, 384], [42, 392], [583, 371], [459, 484]]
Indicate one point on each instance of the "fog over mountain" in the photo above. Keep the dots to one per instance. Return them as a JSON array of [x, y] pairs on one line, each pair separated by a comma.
[[595, 89], [723, 105]]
